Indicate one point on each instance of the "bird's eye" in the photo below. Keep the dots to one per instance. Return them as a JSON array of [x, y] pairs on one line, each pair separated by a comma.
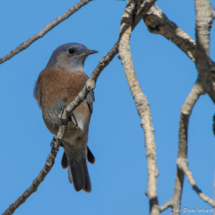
[[71, 51]]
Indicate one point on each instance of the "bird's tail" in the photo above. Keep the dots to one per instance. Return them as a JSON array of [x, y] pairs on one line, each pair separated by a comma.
[[78, 175], [78, 171]]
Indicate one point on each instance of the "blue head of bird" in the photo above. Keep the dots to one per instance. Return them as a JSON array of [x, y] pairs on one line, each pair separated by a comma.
[[70, 56]]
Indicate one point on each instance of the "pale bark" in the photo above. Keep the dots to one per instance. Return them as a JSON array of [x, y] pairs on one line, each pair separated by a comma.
[[141, 103], [204, 18], [158, 23], [166, 205]]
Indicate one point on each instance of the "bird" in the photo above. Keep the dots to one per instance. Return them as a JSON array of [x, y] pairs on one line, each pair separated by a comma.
[[57, 85]]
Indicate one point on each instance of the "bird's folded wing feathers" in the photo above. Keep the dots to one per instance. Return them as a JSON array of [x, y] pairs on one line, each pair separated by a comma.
[[90, 99]]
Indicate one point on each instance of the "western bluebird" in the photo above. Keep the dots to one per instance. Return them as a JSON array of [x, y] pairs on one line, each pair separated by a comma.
[[57, 85]]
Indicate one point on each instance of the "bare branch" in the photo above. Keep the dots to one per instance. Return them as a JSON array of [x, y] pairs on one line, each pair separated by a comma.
[[142, 11], [51, 25], [182, 164], [204, 20], [182, 148], [204, 17], [141, 104], [166, 206], [157, 23]]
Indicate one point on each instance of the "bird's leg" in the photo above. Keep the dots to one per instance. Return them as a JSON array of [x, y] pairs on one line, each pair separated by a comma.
[[54, 143]]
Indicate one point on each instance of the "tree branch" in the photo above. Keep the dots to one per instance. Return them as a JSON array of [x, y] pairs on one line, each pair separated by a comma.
[[166, 206], [182, 164], [182, 148], [203, 85], [141, 104], [157, 23], [51, 25], [204, 19]]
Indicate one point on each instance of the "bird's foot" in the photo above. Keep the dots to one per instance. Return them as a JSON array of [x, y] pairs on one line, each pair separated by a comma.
[[54, 143], [73, 119]]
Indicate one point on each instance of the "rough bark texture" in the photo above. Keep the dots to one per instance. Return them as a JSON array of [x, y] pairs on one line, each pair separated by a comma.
[[157, 23], [204, 17], [141, 104], [45, 30], [166, 205]]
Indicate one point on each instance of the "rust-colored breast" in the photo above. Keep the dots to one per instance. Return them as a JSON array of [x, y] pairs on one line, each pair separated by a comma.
[[56, 85]]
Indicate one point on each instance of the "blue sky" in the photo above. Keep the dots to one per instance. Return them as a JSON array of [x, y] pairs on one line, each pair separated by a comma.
[[119, 176]]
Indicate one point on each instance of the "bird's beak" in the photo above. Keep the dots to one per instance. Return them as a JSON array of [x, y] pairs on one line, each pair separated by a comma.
[[91, 52]]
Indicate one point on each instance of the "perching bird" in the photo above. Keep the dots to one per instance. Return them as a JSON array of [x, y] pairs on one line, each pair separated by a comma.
[[57, 85]]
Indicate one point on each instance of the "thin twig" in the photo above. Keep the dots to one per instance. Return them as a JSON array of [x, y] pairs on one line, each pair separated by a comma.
[[142, 104], [51, 25]]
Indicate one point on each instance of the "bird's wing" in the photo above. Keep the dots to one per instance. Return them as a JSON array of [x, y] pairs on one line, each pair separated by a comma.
[[37, 93], [90, 99]]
